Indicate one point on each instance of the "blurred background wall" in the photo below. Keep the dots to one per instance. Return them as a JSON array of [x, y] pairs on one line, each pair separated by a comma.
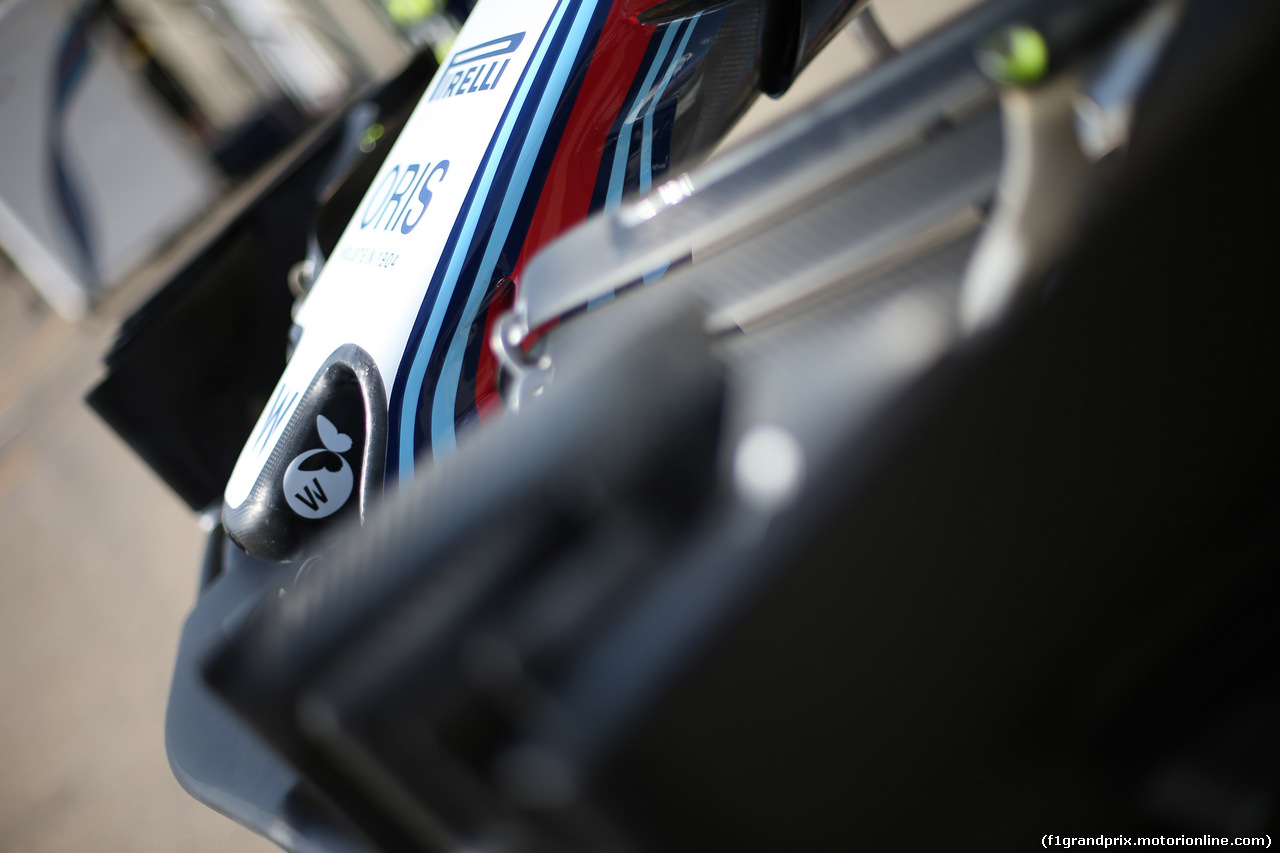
[[121, 121]]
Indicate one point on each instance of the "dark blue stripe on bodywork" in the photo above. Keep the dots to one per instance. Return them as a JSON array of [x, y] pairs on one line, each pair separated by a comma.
[[465, 411], [395, 439], [611, 142]]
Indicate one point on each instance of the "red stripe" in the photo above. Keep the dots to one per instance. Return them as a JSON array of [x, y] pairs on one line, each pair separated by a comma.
[[566, 195], [488, 402]]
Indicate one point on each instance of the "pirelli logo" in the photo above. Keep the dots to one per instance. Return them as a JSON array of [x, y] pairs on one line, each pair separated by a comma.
[[477, 69]]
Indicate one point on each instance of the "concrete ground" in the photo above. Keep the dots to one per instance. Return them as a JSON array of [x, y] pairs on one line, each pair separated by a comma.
[[98, 565]]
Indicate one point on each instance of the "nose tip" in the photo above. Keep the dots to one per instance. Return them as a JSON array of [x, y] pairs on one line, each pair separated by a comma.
[[327, 465]]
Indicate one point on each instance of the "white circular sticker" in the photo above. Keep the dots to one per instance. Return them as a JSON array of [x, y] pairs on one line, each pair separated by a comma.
[[318, 483]]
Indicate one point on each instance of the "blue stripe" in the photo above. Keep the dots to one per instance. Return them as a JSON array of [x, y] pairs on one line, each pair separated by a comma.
[[470, 392], [646, 145], [396, 441], [653, 275], [618, 178], [623, 151], [646, 163], [443, 437], [605, 170], [422, 355]]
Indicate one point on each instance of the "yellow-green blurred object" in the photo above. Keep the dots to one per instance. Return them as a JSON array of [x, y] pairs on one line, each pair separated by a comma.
[[407, 12], [370, 137], [442, 49], [1016, 54], [425, 21]]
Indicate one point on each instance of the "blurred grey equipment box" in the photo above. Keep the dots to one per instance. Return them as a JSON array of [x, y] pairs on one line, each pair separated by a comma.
[[94, 177]]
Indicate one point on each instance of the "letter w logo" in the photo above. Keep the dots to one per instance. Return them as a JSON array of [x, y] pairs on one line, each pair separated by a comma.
[[279, 408], [313, 500]]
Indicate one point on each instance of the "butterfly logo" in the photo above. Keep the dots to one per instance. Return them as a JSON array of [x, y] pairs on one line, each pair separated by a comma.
[[318, 483]]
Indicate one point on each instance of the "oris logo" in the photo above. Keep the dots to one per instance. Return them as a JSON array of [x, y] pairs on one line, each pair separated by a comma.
[[477, 69], [402, 197]]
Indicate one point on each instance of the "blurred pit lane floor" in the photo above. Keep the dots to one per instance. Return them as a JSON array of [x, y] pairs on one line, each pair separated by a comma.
[[99, 561], [98, 565]]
